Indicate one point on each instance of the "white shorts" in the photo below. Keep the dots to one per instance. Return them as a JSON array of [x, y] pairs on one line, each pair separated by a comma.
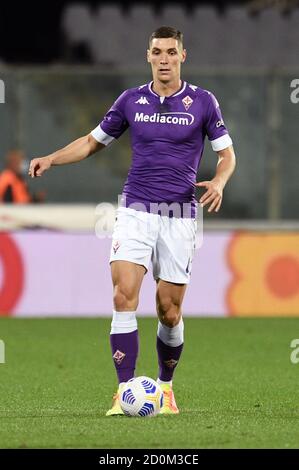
[[169, 242]]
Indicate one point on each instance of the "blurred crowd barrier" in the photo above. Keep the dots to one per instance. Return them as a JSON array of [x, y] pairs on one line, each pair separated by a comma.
[[109, 36], [67, 217], [59, 266], [46, 108]]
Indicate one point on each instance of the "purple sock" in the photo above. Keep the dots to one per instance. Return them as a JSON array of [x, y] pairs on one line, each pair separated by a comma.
[[124, 347], [168, 357]]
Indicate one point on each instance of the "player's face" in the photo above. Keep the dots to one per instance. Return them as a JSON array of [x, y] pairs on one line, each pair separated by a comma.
[[166, 56]]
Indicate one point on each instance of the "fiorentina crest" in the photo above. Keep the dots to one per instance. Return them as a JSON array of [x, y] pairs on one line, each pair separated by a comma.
[[118, 356], [171, 363], [187, 101]]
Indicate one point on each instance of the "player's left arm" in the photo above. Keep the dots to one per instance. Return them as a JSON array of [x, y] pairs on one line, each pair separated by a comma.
[[214, 188]]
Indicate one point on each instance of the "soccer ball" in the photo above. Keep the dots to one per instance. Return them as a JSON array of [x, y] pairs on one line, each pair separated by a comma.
[[141, 396]]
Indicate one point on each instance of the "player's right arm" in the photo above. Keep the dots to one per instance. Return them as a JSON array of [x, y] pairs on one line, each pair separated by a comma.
[[74, 152]]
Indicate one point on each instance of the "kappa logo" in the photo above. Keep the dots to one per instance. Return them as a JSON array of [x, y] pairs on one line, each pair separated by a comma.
[[171, 363], [142, 100], [115, 246], [118, 356], [187, 101]]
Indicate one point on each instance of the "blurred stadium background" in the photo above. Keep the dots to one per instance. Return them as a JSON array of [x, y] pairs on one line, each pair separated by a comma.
[[62, 72], [62, 64]]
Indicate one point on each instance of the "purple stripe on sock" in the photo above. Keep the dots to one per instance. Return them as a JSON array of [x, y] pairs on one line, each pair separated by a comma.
[[168, 358], [124, 347]]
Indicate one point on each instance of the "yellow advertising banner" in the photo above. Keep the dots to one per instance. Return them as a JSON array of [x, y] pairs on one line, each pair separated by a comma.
[[265, 274]]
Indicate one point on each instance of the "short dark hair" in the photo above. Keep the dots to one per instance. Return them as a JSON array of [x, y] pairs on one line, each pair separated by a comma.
[[167, 32]]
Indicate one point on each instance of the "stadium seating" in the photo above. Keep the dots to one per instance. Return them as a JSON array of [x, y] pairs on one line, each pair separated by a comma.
[[118, 39], [139, 24]]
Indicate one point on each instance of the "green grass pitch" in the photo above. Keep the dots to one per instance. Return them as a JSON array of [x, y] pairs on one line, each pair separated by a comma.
[[235, 386]]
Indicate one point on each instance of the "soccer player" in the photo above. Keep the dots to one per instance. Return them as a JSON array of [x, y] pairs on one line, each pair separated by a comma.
[[168, 120]]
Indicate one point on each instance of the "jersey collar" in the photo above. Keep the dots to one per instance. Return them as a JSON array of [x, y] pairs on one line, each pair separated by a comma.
[[181, 90]]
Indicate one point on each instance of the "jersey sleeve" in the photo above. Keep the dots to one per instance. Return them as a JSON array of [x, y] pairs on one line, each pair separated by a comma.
[[214, 125], [114, 122]]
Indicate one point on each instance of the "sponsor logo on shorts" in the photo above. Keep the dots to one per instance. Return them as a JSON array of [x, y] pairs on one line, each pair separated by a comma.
[[115, 246], [118, 356], [188, 267], [171, 363]]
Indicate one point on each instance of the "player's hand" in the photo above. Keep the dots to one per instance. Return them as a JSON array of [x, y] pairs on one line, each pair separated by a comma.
[[38, 166], [212, 195]]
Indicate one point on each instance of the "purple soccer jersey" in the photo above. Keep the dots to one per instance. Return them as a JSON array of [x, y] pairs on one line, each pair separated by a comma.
[[167, 139]]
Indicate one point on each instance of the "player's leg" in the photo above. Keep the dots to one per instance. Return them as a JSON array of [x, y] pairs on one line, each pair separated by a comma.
[[172, 262], [170, 337], [129, 258], [127, 279]]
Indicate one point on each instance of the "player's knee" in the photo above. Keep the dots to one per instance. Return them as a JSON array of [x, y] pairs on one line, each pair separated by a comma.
[[124, 298], [169, 312]]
